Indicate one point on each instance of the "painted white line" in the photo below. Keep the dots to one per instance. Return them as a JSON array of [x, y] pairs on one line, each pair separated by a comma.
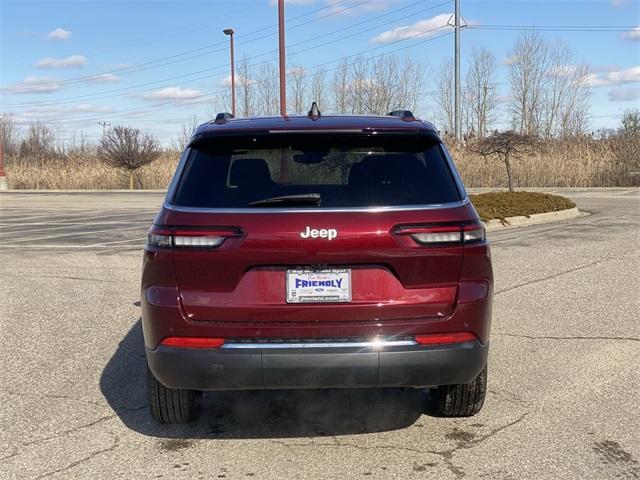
[[39, 224], [70, 247], [75, 225], [141, 240], [74, 234]]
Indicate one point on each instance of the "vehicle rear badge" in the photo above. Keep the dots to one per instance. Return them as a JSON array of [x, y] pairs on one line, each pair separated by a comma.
[[328, 233]]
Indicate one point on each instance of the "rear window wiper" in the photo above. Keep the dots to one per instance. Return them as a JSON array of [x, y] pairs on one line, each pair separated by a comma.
[[300, 199]]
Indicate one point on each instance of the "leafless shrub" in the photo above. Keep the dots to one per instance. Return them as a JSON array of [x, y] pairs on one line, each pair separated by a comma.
[[128, 149], [506, 146]]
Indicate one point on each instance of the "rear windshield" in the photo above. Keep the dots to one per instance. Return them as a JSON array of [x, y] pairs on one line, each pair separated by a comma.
[[315, 171]]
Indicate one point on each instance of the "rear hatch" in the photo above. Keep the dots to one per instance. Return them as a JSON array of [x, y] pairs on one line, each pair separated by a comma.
[[351, 227]]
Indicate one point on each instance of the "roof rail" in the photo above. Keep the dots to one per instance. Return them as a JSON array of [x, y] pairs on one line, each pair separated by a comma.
[[222, 118], [406, 115]]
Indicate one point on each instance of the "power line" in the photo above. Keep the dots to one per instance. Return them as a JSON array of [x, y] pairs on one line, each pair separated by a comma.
[[180, 103], [160, 83], [557, 28], [175, 58]]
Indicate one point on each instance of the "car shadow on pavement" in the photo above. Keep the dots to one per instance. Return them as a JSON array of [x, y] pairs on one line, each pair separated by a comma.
[[257, 414]]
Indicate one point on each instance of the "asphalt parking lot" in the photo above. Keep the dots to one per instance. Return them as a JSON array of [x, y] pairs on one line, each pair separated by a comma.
[[564, 376]]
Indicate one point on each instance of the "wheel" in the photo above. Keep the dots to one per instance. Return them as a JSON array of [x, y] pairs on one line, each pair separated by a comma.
[[464, 400], [170, 405]]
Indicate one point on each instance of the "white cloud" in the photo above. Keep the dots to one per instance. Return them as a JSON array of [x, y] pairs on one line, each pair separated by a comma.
[[173, 93], [616, 77], [34, 85], [293, 2], [633, 35], [88, 108], [354, 7], [624, 94], [73, 61], [428, 27], [338, 7], [104, 78], [58, 34]]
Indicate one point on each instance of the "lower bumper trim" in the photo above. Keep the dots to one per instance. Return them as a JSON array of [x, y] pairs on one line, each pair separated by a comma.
[[319, 367]]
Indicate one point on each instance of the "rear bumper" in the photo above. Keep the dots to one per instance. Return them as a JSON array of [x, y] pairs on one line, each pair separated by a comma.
[[321, 367]]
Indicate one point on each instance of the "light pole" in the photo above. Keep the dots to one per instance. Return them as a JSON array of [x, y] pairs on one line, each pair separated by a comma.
[[229, 31]]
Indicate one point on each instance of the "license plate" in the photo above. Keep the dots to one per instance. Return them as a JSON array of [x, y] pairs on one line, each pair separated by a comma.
[[319, 286]]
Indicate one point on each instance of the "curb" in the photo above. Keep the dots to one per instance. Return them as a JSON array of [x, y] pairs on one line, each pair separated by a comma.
[[534, 219]]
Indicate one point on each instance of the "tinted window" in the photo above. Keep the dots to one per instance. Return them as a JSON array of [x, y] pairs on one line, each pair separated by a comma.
[[338, 170]]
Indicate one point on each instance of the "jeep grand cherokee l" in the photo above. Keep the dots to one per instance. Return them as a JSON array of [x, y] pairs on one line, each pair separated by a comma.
[[316, 252]]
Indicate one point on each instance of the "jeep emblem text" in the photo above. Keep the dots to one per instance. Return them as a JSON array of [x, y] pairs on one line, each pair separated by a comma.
[[328, 233]]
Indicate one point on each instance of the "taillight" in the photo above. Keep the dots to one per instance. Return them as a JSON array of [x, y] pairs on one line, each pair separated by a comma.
[[443, 234], [445, 338], [192, 342], [183, 238]]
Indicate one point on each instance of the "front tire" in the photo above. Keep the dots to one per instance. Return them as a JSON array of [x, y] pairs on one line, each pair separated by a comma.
[[170, 405], [463, 400]]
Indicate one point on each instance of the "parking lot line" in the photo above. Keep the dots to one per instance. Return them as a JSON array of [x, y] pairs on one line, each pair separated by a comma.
[[74, 234]]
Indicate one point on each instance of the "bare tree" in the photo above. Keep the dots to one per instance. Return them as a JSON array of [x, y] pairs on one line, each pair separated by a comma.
[[340, 86], [9, 134], [39, 142], [566, 100], [445, 96], [410, 79], [186, 130], [528, 63], [506, 146], [246, 84], [318, 88], [267, 89], [630, 123], [359, 86], [128, 149], [481, 90], [297, 83]]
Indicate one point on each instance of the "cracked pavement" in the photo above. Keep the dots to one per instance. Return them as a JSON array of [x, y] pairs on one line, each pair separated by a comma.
[[563, 374]]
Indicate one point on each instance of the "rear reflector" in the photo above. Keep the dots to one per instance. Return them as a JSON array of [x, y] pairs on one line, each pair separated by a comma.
[[445, 338], [193, 342]]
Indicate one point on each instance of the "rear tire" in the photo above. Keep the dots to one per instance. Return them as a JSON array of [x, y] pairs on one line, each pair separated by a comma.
[[463, 400], [170, 405]]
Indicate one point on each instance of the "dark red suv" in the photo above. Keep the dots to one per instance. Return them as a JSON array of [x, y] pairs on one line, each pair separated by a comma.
[[316, 252]]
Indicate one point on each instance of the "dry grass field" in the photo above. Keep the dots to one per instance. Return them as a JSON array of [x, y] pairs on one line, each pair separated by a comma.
[[577, 162]]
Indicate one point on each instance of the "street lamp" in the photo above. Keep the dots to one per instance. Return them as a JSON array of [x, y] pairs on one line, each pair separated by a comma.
[[229, 31]]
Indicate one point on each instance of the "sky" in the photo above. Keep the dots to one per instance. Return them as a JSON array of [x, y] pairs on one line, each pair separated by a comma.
[[154, 64]]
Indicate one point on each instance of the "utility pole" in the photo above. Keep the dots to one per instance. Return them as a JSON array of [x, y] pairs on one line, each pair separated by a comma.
[[457, 116], [283, 73], [3, 179], [104, 126]]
